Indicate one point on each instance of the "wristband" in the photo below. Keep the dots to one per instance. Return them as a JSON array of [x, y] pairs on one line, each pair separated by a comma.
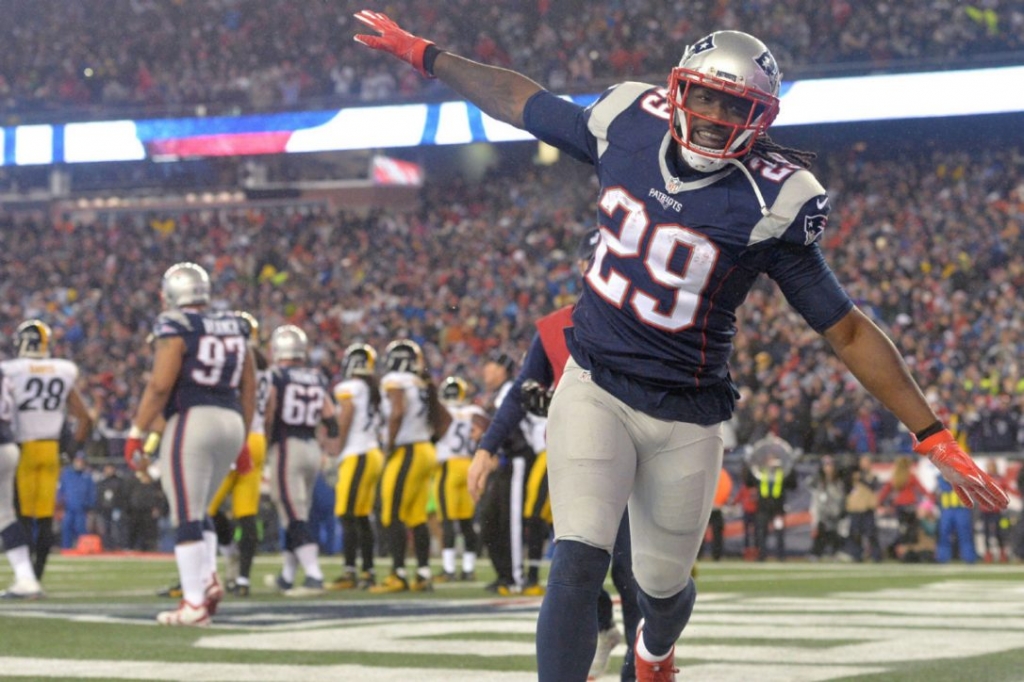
[[430, 54], [135, 432], [930, 430]]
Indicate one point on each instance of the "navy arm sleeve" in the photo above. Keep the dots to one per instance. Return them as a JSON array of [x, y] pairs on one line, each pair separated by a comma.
[[809, 285], [536, 366], [560, 123]]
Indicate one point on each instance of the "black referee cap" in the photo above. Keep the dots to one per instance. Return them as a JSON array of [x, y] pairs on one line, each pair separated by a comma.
[[503, 359]]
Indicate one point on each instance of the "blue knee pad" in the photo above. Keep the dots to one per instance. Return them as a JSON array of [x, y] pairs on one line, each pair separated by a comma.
[[190, 531]]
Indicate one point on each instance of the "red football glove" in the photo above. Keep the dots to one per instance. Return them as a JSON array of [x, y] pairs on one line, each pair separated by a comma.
[[133, 452], [970, 483], [393, 39], [243, 463]]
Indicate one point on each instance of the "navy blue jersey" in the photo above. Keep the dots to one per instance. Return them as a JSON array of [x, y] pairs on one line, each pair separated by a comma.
[[679, 251], [211, 369], [300, 400]]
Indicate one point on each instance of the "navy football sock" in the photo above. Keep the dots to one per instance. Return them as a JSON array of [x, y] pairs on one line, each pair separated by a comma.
[[567, 628], [664, 619]]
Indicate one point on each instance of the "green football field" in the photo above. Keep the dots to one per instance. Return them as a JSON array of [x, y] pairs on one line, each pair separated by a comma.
[[792, 622]]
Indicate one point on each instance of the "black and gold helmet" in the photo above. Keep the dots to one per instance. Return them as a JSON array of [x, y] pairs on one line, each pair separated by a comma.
[[360, 360], [404, 355], [454, 390], [32, 339]]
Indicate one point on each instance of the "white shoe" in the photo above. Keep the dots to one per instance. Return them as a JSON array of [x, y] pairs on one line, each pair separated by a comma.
[[185, 614], [25, 588], [606, 641]]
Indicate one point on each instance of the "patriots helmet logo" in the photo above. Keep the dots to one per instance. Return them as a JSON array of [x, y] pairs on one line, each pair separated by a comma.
[[705, 43], [814, 227], [767, 63]]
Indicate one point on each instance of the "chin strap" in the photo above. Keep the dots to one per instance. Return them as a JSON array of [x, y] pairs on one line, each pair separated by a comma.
[[753, 183]]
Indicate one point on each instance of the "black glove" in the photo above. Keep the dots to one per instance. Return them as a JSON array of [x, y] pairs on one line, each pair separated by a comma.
[[535, 398]]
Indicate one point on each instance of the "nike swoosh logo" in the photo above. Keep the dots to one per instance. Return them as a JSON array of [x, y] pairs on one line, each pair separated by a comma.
[[821, 202]]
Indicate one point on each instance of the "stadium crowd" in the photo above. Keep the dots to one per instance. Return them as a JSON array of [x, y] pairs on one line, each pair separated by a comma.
[[93, 58], [469, 270]]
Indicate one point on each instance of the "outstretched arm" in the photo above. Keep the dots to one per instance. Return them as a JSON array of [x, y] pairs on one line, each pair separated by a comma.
[[876, 363], [500, 93]]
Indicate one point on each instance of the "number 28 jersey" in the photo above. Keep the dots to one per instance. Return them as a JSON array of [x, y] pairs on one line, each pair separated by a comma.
[[39, 392], [211, 369], [680, 251]]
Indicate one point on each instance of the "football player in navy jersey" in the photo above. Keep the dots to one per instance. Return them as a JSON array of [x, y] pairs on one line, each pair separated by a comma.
[[299, 402], [695, 203], [203, 384]]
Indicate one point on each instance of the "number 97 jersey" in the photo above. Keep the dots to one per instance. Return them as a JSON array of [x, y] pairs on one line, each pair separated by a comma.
[[211, 368], [39, 389]]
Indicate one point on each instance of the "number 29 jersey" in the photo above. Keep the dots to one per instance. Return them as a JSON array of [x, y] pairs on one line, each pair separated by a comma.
[[39, 391], [211, 369], [679, 252]]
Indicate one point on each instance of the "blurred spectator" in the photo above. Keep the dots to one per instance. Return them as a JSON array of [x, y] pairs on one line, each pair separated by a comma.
[[772, 483], [956, 526], [145, 504], [861, 502], [995, 524], [76, 493], [828, 506], [902, 494], [109, 504]]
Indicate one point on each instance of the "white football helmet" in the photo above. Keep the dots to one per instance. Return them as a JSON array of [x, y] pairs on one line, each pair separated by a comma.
[[288, 342], [734, 63], [185, 284]]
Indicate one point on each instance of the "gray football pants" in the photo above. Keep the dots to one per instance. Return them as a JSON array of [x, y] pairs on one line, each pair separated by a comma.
[[603, 454], [197, 450], [9, 454], [294, 465]]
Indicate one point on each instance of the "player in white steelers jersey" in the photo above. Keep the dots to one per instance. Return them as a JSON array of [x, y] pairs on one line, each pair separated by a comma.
[[410, 412], [12, 532], [361, 465], [454, 454], [203, 385], [299, 402], [44, 393]]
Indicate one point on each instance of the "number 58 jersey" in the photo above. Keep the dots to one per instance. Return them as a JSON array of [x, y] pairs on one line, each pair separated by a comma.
[[39, 389]]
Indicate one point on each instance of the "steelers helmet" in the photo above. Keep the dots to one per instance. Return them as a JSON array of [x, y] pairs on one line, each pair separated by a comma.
[[360, 360], [185, 284], [33, 339], [404, 355], [454, 390], [253, 323], [288, 342]]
